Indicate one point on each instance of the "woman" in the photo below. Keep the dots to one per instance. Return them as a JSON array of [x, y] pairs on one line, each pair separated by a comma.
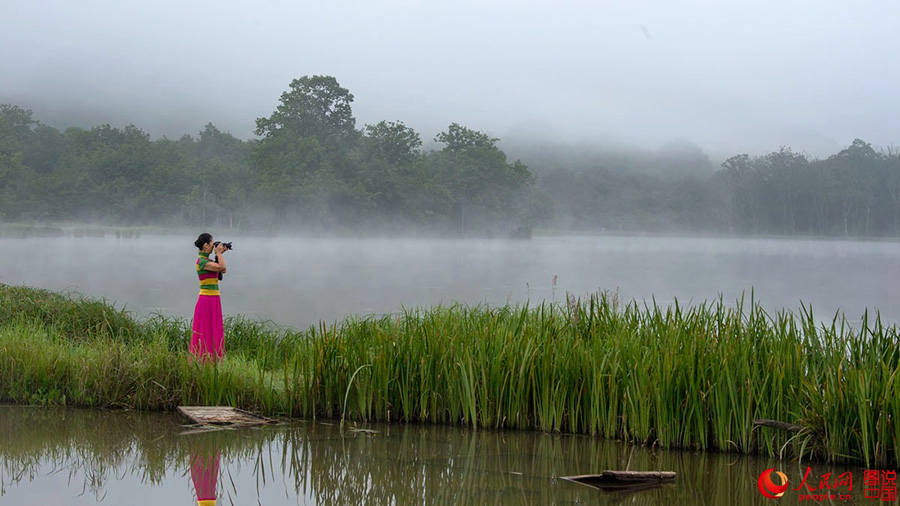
[[208, 333]]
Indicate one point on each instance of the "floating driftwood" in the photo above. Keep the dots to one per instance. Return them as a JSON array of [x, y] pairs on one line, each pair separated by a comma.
[[624, 481], [774, 424], [364, 431], [212, 417]]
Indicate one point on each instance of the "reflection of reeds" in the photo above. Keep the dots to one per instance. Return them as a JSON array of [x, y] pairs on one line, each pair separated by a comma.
[[676, 377], [409, 464]]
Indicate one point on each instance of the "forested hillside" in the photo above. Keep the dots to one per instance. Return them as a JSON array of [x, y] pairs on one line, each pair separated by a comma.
[[312, 168]]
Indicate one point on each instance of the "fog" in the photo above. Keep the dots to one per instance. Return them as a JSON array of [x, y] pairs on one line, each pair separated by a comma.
[[301, 281], [728, 76], [561, 83]]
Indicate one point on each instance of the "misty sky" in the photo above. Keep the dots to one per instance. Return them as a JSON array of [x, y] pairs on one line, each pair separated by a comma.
[[731, 76]]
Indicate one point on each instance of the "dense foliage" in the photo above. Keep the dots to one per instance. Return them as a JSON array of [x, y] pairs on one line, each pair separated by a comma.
[[312, 168], [855, 192]]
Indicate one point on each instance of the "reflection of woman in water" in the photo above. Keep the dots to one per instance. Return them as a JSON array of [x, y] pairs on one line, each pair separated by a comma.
[[205, 474], [208, 334]]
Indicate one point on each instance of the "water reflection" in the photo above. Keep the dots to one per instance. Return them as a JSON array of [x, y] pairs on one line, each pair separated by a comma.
[[205, 473], [64, 456]]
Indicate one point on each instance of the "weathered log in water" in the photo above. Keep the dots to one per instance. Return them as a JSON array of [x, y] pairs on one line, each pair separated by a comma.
[[624, 481], [774, 424]]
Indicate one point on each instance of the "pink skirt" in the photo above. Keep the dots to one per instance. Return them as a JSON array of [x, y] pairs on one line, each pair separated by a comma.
[[208, 333]]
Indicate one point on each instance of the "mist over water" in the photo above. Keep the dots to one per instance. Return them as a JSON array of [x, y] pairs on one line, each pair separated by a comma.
[[300, 281]]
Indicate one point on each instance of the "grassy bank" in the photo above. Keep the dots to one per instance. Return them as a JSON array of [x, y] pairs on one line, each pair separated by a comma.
[[676, 377]]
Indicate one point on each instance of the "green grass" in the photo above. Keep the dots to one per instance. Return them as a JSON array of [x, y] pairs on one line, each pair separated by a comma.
[[677, 377]]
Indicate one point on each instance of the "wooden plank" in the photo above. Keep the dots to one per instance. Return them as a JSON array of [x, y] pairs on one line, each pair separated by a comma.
[[203, 429], [222, 415], [610, 476], [640, 475], [257, 417], [624, 481], [625, 487], [774, 424]]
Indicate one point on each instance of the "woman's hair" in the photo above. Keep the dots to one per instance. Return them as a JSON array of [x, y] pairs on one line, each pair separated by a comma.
[[203, 239]]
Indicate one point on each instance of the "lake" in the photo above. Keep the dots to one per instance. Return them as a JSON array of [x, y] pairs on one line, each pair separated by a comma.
[[298, 281], [84, 457]]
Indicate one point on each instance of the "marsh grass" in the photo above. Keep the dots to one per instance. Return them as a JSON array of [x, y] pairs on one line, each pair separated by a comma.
[[676, 377]]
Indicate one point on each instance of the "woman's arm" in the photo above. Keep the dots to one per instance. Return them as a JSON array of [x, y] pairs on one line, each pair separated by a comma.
[[215, 266], [219, 264]]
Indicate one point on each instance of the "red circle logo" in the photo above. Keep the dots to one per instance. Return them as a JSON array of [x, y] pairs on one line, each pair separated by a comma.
[[768, 488]]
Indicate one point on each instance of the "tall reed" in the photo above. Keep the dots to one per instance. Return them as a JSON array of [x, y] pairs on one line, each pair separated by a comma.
[[677, 377]]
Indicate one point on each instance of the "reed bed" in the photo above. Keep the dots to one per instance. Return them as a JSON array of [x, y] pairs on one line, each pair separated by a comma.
[[675, 377]]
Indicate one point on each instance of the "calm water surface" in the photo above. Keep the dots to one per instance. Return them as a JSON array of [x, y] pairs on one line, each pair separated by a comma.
[[298, 282], [83, 457]]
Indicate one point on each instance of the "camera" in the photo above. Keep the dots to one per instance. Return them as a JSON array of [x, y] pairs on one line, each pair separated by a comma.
[[227, 248]]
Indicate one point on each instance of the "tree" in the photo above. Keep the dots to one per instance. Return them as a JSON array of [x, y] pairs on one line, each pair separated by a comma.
[[392, 172], [316, 107], [15, 132], [225, 178], [12, 170], [459, 138], [485, 189], [786, 170], [853, 170], [305, 152], [44, 149], [392, 141], [18, 120]]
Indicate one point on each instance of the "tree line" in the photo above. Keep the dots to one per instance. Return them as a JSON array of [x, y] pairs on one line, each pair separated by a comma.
[[855, 193], [311, 168]]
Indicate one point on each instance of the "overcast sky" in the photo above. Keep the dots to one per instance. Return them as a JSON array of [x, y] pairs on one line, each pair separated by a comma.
[[727, 75]]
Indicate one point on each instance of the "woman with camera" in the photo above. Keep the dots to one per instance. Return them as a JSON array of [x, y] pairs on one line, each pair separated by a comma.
[[208, 332]]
